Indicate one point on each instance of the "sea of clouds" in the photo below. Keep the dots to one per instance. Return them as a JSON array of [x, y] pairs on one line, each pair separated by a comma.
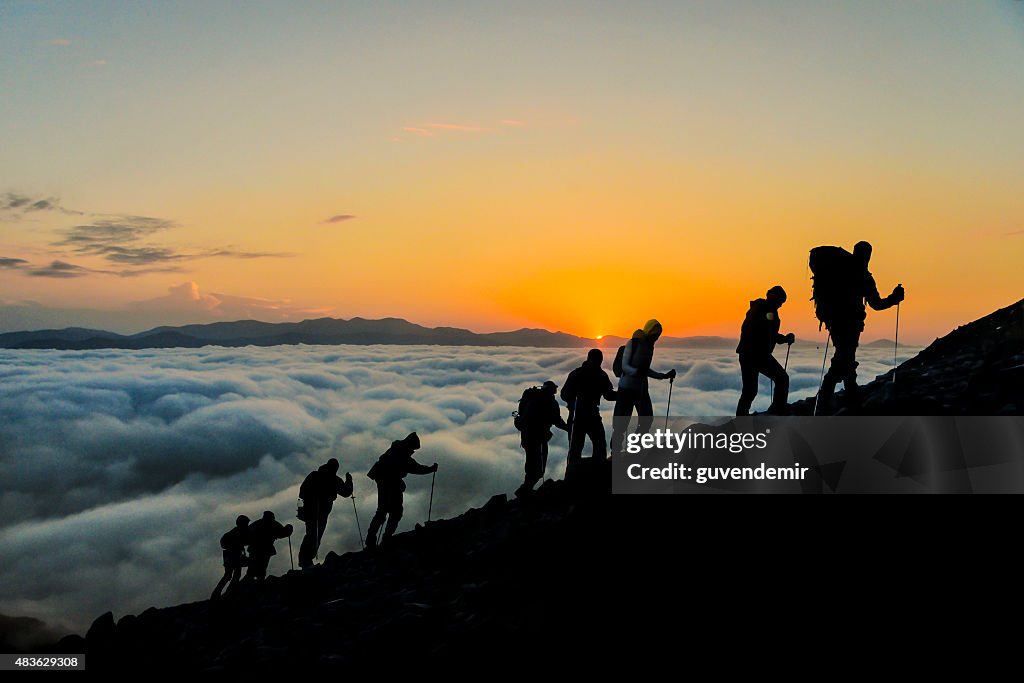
[[121, 469]]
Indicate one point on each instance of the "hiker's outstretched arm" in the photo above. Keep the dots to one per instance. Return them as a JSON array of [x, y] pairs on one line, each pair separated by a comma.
[[874, 300], [416, 468]]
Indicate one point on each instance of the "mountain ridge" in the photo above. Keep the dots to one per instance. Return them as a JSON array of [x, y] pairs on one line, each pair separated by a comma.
[[327, 331]]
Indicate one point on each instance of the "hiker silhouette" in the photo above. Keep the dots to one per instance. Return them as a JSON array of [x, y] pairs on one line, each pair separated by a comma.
[[233, 543], [634, 392], [389, 472], [317, 494], [758, 336], [842, 286], [538, 412], [582, 392], [261, 536]]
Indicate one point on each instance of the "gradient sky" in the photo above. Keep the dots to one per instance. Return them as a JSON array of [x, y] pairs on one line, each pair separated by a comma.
[[573, 166]]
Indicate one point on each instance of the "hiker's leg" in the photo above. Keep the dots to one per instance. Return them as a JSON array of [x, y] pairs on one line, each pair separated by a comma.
[[595, 430], [748, 373], [624, 405], [850, 379], [644, 411], [228, 572], [395, 512], [378, 519], [579, 437], [773, 370], [308, 548], [534, 464]]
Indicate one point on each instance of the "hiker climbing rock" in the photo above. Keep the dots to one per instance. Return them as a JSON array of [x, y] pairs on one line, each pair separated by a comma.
[[389, 472], [233, 543], [261, 536], [317, 494], [758, 337], [582, 392], [842, 286], [538, 412], [634, 392]]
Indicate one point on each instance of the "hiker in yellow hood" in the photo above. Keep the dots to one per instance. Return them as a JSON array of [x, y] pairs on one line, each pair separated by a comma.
[[633, 389]]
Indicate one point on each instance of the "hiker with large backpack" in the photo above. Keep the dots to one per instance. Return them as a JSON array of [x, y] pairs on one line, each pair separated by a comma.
[[842, 285], [758, 337], [233, 543], [261, 536], [317, 494], [582, 392], [634, 393], [538, 413], [389, 472]]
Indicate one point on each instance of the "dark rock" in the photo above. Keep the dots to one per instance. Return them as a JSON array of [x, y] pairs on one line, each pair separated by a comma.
[[102, 630]]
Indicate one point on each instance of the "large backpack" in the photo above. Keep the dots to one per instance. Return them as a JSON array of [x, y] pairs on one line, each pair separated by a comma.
[[617, 363], [834, 279], [529, 408]]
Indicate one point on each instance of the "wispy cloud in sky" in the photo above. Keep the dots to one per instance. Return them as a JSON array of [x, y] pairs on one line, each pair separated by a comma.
[[339, 218], [456, 126], [60, 42], [60, 270], [14, 204], [116, 240], [418, 131]]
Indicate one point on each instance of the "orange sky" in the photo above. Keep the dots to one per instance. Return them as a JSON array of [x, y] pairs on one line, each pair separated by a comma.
[[574, 168]]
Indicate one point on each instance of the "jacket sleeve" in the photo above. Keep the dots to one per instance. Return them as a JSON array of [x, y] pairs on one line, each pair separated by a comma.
[[872, 297], [555, 414], [415, 468], [607, 390]]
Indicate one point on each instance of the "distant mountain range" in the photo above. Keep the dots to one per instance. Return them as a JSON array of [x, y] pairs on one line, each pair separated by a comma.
[[327, 331]]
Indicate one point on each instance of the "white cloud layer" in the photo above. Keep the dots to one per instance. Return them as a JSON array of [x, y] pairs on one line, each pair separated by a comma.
[[122, 469]]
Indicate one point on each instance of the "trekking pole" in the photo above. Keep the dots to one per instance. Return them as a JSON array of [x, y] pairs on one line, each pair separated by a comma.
[[358, 526], [821, 382], [668, 408], [788, 347], [290, 555], [430, 509], [316, 553], [896, 344]]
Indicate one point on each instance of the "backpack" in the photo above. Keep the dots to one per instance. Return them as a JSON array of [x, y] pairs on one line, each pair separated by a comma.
[[528, 411], [617, 363], [387, 466], [307, 490], [833, 283]]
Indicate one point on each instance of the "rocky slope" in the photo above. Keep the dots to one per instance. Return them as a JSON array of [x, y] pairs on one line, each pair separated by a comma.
[[469, 589], [977, 369]]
